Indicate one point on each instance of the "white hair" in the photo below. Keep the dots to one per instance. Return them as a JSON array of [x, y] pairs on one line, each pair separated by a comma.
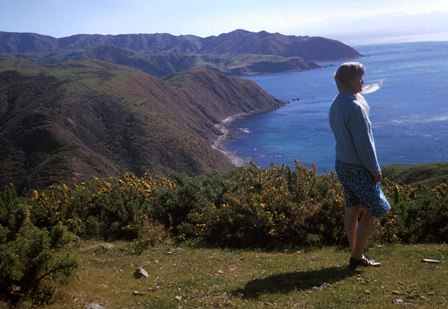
[[347, 72]]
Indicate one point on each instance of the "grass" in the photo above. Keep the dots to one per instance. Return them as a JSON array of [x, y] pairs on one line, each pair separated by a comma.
[[415, 174], [192, 277]]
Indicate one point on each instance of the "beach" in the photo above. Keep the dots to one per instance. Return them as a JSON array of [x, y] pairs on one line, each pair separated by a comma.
[[227, 134]]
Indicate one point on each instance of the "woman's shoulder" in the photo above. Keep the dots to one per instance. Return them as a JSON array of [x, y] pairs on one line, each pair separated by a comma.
[[345, 97], [345, 100], [348, 95]]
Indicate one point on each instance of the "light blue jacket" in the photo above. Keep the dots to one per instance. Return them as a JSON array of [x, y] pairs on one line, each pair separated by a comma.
[[350, 123]]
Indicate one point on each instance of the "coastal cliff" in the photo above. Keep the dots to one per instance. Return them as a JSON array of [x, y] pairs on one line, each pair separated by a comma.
[[83, 119]]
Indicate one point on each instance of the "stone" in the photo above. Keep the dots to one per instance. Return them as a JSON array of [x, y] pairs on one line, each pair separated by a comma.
[[431, 261], [140, 273], [94, 306]]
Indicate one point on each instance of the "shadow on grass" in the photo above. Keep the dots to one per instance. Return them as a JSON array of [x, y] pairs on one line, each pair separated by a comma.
[[287, 282]]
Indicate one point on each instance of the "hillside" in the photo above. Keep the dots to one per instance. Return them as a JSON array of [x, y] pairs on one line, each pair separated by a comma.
[[169, 63], [81, 119], [237, 52], [426, 174]]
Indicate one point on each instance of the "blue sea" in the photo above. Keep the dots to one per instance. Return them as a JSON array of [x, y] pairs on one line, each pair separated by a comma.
[[409, 113]]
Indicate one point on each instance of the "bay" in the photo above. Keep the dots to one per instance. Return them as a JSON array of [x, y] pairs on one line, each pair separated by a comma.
[[409, 112]]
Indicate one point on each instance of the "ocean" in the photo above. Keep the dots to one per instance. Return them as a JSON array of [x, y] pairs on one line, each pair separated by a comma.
[[409, 112]]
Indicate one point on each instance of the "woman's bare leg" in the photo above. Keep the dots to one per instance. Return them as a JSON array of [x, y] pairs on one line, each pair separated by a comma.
[[362, 234], [351, 224]]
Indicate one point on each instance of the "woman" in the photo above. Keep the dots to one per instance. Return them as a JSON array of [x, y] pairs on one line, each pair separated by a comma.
[[356, 162]]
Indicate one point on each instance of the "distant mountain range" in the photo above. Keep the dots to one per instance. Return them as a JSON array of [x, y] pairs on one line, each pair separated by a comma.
[[84, 106], [237, 52]]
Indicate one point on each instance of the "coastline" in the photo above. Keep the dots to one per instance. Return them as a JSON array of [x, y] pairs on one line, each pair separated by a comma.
[[224, 137]]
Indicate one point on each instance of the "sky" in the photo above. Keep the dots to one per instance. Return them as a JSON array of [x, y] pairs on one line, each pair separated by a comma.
[[348, 21]]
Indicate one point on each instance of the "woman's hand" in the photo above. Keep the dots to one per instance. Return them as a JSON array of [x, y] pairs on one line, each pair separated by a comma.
[[377, 177]]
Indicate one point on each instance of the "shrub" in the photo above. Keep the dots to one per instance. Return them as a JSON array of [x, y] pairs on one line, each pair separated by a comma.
[[419, 214], [110, 209], [172, 204], [424, 218], [279, 207], [264, 207], [272, 207], [32, 260]]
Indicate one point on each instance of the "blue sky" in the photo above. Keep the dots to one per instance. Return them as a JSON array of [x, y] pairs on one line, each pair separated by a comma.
[[345, 20]]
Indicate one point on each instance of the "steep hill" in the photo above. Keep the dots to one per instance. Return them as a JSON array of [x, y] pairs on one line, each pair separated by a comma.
[[82, 119]]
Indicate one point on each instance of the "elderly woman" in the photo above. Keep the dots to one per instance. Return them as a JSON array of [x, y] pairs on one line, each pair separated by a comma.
[[356, 162]]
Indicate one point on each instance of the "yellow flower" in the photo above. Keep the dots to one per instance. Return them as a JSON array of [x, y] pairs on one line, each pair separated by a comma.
[[35, 195]]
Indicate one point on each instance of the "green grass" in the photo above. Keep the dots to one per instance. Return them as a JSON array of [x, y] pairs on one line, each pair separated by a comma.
[[92, 75], [415, 174], [191, 277]]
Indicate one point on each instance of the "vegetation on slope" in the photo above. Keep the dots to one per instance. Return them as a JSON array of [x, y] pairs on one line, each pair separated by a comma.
[[169, 63], [252, 207], [33, 260], [424, 174], [70, 122]]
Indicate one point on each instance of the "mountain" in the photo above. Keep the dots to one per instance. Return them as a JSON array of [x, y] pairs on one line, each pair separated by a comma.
[[73, 121], [169, 63], [235, 42], [264, 43], [237, 52], [16, 43], [83, 106]]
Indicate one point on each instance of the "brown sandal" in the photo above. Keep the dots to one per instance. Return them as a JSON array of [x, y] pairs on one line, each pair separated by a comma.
[[365, 261]]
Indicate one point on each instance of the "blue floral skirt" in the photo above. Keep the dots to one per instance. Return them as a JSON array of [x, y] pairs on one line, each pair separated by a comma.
[[359, 188]]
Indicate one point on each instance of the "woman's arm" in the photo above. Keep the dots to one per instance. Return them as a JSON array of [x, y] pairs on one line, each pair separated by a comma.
[[363, 139]]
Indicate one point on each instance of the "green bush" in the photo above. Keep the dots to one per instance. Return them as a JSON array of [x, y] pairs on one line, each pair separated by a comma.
[[32, 260], [173, 204], [279, 207], [271, 207], [264, 207], [425, 217], [105, 209]]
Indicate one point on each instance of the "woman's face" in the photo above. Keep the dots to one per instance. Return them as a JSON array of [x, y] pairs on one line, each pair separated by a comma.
[[355, 85]]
